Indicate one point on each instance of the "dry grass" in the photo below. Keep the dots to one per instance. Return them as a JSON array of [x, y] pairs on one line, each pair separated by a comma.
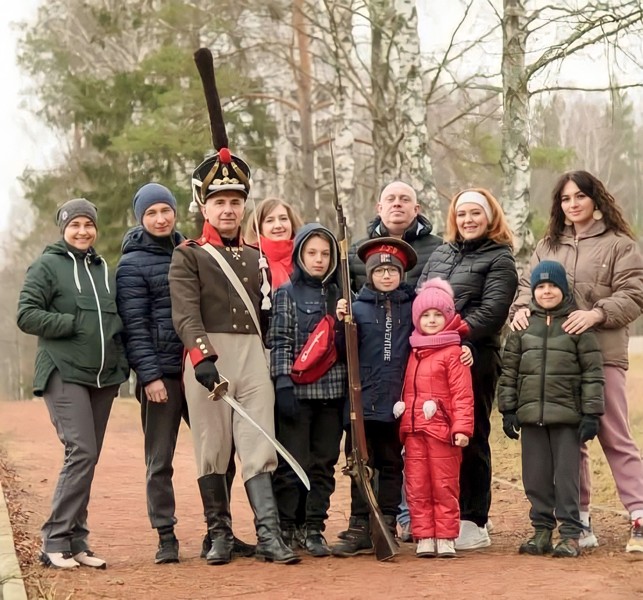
[[506, 452]]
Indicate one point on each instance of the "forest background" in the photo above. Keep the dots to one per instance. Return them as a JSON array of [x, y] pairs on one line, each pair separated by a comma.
[[490, 93]]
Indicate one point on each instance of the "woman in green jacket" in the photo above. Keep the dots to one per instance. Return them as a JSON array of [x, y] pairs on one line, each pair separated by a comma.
[[68, 302]]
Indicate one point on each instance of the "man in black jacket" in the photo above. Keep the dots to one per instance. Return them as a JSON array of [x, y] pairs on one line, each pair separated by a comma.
[[155, 353], [397, 216]]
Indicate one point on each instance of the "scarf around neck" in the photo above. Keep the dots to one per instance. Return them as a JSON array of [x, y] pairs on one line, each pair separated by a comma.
[[449, 336], [279, 255]]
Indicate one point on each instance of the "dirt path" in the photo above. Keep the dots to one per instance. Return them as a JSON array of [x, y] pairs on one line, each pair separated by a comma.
[[121, 534]]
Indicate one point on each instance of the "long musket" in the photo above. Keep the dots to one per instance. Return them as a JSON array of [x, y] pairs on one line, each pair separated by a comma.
[[357, 465]]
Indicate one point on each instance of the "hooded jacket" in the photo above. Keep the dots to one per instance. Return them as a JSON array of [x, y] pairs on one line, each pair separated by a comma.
[[605, 270], [418, 235], [384, 324], [143, 296], [550, 377], [67, 300], [297, 308]]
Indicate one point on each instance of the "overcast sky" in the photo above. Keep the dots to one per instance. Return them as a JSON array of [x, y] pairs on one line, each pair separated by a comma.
[[26, 143], [20, 132]]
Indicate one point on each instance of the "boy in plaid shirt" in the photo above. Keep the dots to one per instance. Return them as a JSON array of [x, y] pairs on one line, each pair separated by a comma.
[[308, 416]]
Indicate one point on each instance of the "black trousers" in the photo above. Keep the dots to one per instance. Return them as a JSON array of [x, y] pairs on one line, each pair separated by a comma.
[[313, 439], [385, 456], [161, 423], [475, 471], [551, 476]]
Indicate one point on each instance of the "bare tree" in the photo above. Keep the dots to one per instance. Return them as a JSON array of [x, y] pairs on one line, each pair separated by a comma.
[[588, 24]]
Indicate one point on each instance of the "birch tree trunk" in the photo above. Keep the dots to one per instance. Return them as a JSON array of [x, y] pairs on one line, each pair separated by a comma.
[[515, 153], [303, 79], [414, 154]]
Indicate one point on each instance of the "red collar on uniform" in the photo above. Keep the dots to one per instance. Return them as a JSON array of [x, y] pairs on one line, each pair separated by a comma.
[[211, 235]]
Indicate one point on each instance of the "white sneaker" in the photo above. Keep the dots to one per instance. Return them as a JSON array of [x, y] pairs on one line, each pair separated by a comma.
[[87, 558], [587, 537], [472, 537], [489, 527], [635, 543], [58, 560], [425, 548], [446, 548]]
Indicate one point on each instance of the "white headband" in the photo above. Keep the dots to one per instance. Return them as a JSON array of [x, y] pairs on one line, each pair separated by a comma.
[[475, 198]]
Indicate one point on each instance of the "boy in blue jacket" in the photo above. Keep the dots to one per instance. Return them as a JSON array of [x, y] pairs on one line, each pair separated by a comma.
[[383, 314]]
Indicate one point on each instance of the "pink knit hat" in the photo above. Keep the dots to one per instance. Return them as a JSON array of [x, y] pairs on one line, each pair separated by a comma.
[[435, 293]]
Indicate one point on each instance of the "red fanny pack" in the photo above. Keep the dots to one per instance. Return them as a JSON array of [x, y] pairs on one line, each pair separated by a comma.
[[318, 354]]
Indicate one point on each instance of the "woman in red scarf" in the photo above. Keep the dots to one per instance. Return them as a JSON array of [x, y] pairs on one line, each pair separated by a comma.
[[277, 222]]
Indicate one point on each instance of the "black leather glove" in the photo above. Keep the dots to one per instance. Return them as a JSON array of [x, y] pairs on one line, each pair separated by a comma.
[[206, 374], [287, 403], [588, 428], [510, 426]]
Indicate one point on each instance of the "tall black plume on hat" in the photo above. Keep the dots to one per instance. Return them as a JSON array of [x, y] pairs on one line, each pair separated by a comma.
[[205, 65], [223, 170]]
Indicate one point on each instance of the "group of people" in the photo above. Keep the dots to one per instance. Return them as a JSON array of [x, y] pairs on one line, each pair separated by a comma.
[[188, 315]]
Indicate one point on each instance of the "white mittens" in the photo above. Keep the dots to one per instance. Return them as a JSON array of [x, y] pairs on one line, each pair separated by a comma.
[[398, 409], [429, 408]]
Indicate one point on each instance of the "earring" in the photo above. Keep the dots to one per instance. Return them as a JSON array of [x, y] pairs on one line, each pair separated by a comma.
[[597, 215], [567, 222]]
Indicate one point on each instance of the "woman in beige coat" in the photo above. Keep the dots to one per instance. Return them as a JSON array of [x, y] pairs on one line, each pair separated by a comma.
[[589, 236]]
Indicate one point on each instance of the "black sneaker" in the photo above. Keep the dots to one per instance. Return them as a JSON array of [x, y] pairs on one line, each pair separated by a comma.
[[567, 548], [537, 545], [293, 537], [168, 550]]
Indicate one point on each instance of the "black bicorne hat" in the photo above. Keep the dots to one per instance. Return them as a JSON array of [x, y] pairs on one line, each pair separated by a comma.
[[222, 170]]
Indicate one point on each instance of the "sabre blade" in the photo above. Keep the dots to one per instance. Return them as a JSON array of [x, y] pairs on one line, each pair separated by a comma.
[[289, 458]]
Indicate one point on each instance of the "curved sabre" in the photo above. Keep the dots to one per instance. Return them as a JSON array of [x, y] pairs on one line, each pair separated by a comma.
[[220, 392]]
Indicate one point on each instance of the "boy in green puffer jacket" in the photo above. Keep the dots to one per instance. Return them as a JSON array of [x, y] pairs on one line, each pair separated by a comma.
[[552, 387]]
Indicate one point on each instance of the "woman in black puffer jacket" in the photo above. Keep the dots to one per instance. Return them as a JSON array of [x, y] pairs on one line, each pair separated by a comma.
[[477, 261]]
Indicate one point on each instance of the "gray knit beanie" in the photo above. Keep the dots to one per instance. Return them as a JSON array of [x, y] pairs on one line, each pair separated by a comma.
[[150, 194], [78, 207]]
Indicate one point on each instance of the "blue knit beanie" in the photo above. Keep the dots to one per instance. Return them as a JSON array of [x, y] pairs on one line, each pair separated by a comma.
[[552, 272], [150, 194]]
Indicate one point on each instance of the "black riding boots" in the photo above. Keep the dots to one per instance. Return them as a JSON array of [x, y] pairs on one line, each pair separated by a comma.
[[216, 505], [270, 546]]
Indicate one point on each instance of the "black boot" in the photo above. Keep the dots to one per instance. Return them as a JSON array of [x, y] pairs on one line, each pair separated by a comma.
[[216, 504], [240, 548], [316, 542], [391, 523], [168, 549], [270, 546], [357, 539]]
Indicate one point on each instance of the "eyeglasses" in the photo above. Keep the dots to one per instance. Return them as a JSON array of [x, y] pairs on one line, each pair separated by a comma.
[[381, 271]]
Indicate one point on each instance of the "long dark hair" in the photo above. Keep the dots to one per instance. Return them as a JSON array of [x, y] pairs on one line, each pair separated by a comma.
[[603, 201]]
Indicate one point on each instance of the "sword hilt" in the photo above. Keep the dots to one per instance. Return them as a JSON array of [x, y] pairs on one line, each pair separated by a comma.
[[220, 389]]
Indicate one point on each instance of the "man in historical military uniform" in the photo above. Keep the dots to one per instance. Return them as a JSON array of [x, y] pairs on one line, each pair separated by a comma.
[[215, 291]]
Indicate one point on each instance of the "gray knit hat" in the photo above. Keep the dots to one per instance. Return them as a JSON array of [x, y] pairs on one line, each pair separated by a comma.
[[78, 207], [150, 194]]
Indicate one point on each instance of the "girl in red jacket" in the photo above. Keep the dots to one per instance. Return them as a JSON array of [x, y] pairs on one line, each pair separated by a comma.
[[437, 420]]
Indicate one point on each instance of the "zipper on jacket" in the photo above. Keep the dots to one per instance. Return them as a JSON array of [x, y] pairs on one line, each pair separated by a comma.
[[542, 371], [417, 366], [100, 325]]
